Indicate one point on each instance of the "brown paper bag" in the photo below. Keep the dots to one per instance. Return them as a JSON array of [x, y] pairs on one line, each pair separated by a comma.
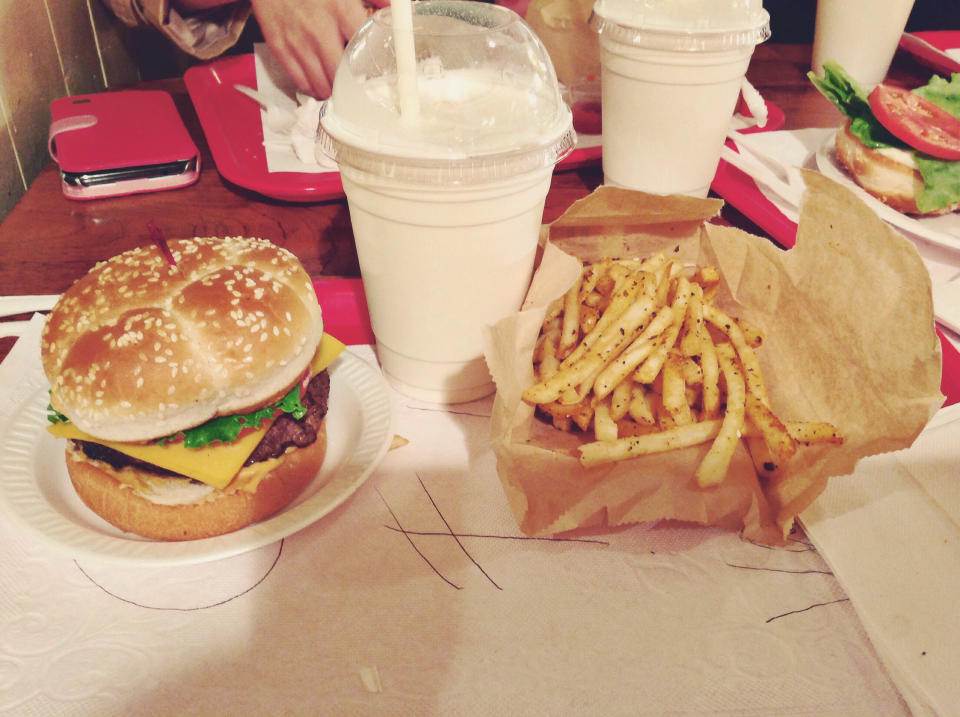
[[849, 338]]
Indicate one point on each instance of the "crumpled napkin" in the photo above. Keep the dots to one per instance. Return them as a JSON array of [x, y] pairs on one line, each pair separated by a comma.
[[292, 149], [891, 534]]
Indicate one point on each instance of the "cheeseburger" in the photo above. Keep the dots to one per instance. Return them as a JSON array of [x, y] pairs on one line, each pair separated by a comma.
[[191, 385], [902, 146]]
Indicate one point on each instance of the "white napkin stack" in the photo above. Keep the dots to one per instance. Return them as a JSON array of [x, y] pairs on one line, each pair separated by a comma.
[[292, 148], [891, 534]]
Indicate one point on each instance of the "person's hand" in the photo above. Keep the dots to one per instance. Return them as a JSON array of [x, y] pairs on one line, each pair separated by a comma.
[[308, 37]]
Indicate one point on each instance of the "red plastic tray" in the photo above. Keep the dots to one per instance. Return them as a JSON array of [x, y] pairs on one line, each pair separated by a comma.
[[940, 39], [231, 124]]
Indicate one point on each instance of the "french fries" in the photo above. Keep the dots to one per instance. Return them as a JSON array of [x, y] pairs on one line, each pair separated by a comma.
[[637, 354]]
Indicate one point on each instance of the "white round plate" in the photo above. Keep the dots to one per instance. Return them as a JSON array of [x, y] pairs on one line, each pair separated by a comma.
[[943, 231], [35, 490]]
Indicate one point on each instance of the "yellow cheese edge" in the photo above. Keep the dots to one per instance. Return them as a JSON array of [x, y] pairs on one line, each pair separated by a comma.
[[214, 464]]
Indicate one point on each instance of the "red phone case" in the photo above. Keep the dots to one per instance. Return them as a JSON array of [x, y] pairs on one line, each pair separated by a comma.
[[121, 130]]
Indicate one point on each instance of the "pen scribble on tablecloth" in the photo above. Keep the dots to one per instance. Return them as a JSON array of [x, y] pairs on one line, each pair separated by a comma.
[[456, 536], [452, 412], [808, 607], [792, 571], [175, 580]]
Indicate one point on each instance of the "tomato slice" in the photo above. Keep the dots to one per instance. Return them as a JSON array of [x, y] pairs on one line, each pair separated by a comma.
[[917, 121]]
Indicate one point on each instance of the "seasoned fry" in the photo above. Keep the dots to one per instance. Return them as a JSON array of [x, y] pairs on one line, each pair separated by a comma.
[[751, 333], [713, 467], [597, 452], [620, 400], [546, 356], [710, 370], [637, 354], [751, 367], [803, 432], [588, 318], [701, 365], [588, 281], [709, 278], [570, 327], [654, 362], [674, 389], [778, 441], [639, 407], [606, 340], [638, 350], [604, 427]]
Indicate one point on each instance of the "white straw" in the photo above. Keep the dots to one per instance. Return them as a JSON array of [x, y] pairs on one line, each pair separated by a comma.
[[402, 14]]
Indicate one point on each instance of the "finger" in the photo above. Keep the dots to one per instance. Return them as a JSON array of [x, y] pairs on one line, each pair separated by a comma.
[[315, 56]]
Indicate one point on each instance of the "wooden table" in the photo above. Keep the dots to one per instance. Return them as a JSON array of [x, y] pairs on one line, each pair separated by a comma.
[[48, 241]]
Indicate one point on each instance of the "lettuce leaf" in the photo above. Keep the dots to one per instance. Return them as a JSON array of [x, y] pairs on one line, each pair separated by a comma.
[[943, 93], [222, 428], [227, 428], [851, 98], [941, 182], [54, 416]]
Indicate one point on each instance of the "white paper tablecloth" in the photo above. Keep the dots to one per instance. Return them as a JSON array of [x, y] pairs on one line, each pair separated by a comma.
[[420, 596]]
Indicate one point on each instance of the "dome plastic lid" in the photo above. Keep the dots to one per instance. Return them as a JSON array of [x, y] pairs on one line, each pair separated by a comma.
[[683, 25], [488, 102]]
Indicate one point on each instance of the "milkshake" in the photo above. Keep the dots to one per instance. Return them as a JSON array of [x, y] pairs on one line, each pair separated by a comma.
[[671, 72], [446, 205]]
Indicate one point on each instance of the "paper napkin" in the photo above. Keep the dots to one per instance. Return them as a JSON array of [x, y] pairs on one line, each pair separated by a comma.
[[292, 150], [891, 534]]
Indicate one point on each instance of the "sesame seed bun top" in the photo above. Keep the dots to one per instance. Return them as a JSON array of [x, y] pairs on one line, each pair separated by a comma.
[[138, 349]]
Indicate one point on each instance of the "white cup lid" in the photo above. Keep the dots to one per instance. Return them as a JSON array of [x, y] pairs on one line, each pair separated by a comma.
[[489, 104], [683, 25]]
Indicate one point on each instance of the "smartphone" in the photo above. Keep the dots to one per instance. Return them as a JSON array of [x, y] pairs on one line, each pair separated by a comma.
[[109, 144]]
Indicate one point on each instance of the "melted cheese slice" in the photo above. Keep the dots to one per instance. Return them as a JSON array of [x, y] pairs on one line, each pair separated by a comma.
[[215, 464]]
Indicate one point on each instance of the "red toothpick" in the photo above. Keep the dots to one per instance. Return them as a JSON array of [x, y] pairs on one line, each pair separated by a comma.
[[157, 236]]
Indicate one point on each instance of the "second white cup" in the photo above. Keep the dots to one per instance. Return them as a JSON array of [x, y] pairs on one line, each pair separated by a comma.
[[670, 78], [860, 35]]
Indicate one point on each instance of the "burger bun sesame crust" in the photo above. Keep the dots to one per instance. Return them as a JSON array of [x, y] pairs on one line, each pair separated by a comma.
[[893, 182], [139, 349], [222, 511]]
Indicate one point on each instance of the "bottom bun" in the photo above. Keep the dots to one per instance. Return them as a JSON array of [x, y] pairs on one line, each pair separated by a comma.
[[888, 175], [218, 512]]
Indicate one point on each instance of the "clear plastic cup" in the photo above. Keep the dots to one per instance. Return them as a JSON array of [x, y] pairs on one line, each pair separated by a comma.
[[446, 204], [671, 72]]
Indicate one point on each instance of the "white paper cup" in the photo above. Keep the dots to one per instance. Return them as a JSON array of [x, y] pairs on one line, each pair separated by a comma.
[[860, 35], [438, 266], [668, 95], [446, 208]]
